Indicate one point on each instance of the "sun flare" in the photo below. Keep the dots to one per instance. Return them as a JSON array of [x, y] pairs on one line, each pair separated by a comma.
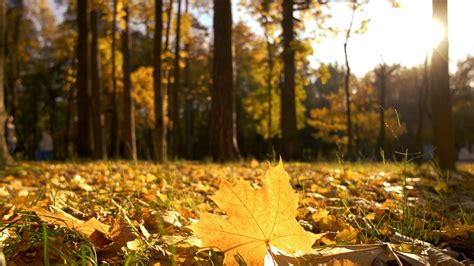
[[436, 34]]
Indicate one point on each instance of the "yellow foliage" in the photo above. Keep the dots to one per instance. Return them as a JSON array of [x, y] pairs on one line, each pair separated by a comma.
[[143, 97], [256, 219], [330, 122]]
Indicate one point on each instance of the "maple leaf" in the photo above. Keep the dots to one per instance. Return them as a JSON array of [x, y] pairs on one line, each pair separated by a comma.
[[257, 219]]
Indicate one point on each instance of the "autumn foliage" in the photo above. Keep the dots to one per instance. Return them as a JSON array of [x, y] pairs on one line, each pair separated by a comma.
[[189, 213]]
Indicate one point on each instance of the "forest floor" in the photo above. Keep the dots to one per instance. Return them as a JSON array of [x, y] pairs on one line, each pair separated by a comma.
[[128, 213]]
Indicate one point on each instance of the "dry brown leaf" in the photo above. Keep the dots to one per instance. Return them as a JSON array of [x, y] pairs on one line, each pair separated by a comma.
[[120, 232], [256, 219], [339, 255], [64, 219], [437, 257]]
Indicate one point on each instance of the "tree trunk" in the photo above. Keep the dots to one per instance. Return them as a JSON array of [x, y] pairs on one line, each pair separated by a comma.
[[10, 100], [381, 137], [443, 128], [160, 128], [223, 137], [52, 110], [350, 151], [128, 129], [421, 108], [167, 73], [188, 106], [269, 90], [289, 134], [70, 100], [84, 145], [174, 103], [98, 125], [114, 131], [4, 155], [383, 75]]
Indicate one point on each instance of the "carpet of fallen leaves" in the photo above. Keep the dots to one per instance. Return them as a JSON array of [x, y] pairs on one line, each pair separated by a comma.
[[122, 212]]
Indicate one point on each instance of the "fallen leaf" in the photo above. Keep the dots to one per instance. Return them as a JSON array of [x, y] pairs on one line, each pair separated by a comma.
[[370, 216], [437, 257], [254, 164], [322, 214], [64, 219], [257, 219], [339, 255], [348, 235], [121, 234]]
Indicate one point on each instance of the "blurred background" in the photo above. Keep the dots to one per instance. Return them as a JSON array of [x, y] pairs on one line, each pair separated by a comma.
[[192, 79]]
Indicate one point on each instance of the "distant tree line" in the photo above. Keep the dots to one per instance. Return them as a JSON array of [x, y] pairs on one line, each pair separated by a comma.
[[149, 80]]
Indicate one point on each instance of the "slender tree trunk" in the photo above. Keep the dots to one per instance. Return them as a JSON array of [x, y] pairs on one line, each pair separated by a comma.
[[98, 125], [175, 93], [160, 128], [189, 120], [10, 100], [52, 107], [223, 137], [382, 83], [114, 131], [4, 155], [167, 73], [350, 151], [188, 106], [421, 114], [290, 144], [383, 75], [70, 102], [443, 126], [269, 90], [84, 144], [35, 111], [128, 132]]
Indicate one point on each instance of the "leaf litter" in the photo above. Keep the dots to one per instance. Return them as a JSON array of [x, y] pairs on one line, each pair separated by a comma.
[[119, 212]]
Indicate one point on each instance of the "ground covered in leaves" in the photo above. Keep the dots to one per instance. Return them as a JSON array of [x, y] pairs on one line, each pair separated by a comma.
[[127, 213]]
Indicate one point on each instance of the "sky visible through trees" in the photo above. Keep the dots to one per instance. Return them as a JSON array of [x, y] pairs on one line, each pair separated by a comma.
[[384, 38]]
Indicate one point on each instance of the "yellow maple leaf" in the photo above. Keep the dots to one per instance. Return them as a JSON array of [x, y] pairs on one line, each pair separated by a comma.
[[257, 219]]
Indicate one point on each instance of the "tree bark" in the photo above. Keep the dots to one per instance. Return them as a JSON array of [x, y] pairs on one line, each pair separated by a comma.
[[97, 120], [167, 73], [84, 144], [128, 129], [421, 108], [350, 151], [160, 128], [443, 126], [223, 137], [174, 103], [383, 75], [269, 89], [4, 155], [10, 96], [188, 106], [289, 134], [114, 130], [381, 137], [70, 102]]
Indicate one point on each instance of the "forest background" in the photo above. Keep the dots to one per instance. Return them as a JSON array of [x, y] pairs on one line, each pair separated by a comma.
[[107, 80]]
